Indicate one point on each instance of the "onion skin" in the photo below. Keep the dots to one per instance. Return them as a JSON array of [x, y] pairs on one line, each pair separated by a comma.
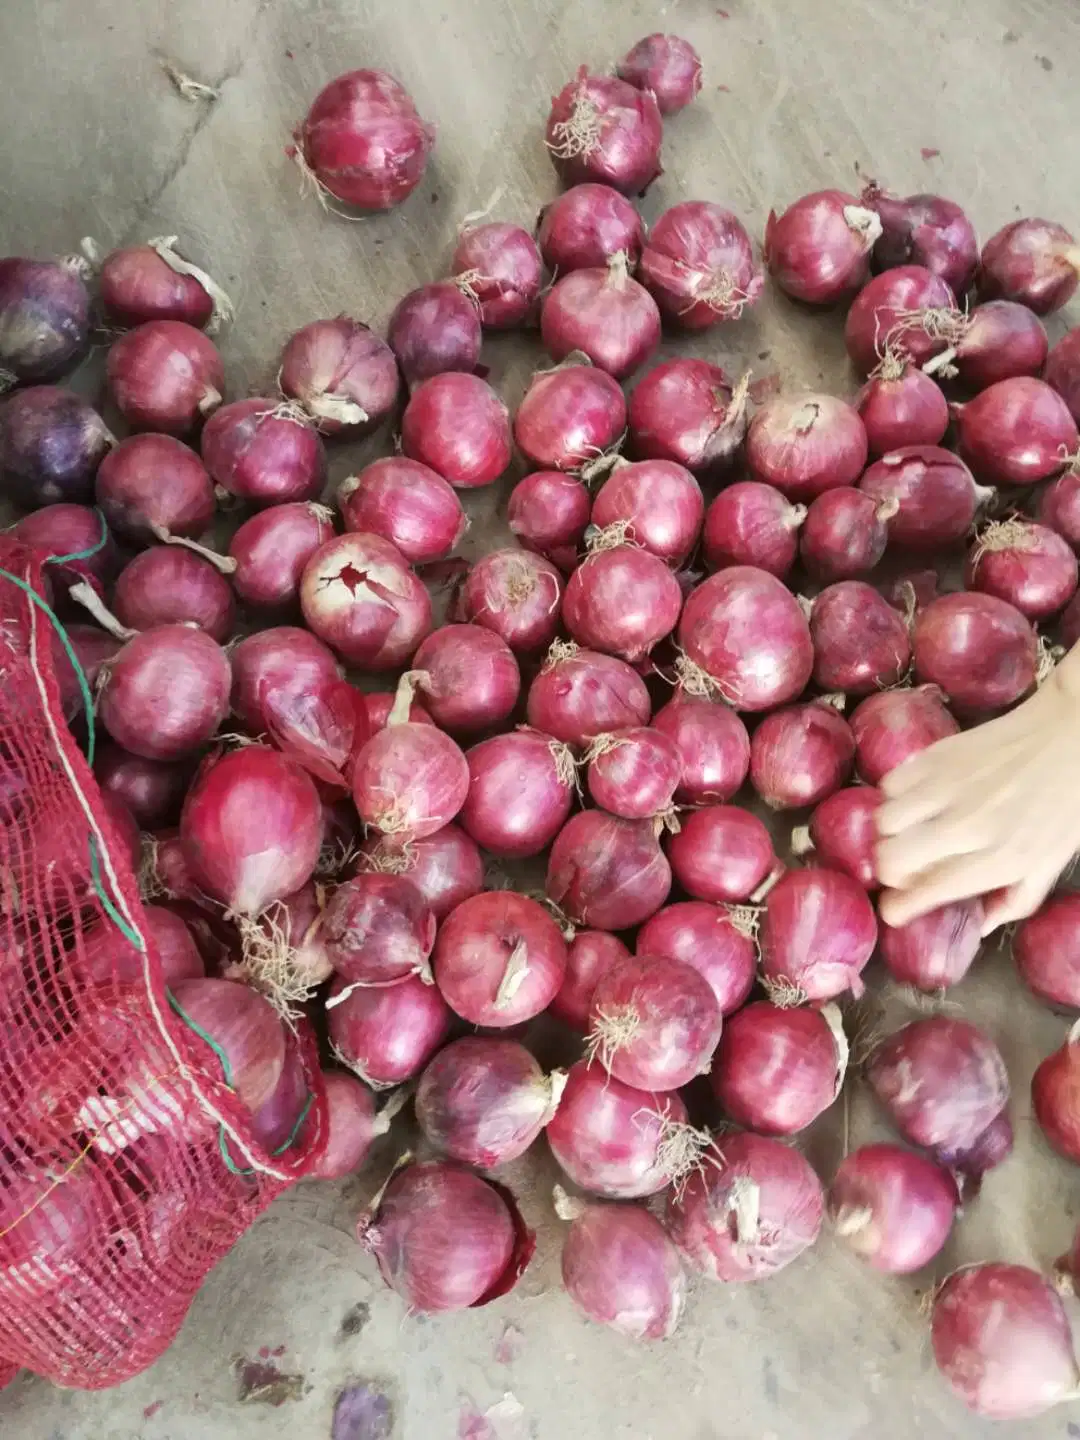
[[843, 833], [243, 1025], [607, 873], [622, 601], [44, 319], [607, 1136], [484, 1101], [137, 284], [351, 1124], [590, 954], [660, 501], [942, 1080], [364, 140], [890, 726], [936, 950], [988, 1150], [378, 930], [806, 444], [1063, 370], [750, 523], [165, 376], [1002, 1340], [722, 854], [1000, 341], [1055, 1099], [671, 1017], [517, 595], [501, 266], [282, 660], [688, 411], [342, 373], [446, 867], [435, 328], [777, 1070], [706, 938], [937, 495], [1058, 508], [876, 321], [621, 1270], [747, 632], [637, 776], [1046, 948], [153, 790], [925, 230], [61, 530], [698, 265], [902, 408], [167, 692], [980, 650], [893, 1207], [586, 226], [272, 549], [51, 444], [387, 1033], [1034, 262], [668, 66], [154, 480], [1017, 432], [800, 755], [262, 457], [569, 416], [519, 794], [548, 513], [458, 426], [579, 694], [406, 503], [722, 1234], [818, 250], [844, 534], [1025, 564], [409, 780], [713, 746], [861, 644], [168, 585], [601, 129], [817, 935], [604, 314], [359, 594], [499, 959], [471, 680]]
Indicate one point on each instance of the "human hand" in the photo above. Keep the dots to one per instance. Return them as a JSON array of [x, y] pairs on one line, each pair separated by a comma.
[[993, 811]]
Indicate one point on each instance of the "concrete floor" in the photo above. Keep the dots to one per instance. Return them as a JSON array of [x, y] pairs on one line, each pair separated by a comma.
[[977, 102]]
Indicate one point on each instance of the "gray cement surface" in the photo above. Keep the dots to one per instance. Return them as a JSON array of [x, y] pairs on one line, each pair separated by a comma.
[[979, 102]]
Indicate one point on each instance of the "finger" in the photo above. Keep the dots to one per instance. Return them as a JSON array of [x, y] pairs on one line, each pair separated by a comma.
[[956, 879], [913, 807], [1015, 903], [900, 858]]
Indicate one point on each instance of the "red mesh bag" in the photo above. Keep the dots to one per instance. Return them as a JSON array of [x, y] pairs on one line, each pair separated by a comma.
[[127, 1170]]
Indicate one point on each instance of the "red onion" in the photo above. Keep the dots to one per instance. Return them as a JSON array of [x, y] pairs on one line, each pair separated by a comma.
[[903, 310], [603, 314], [379, 706], [817, 934], [580, 694], [1002, 1340], [125, 826], [499, 959], [980, 650], [938, 497], [469, 678], [516, 594], [409, 779], [569, 416], [1058, 507], [360, 595], [406, 503], [621, 600], [378, 930], [590, 954], [751, 1208], [1046, 949], [996, 341], [1069, 624], [895, 724], [1063, 370], [620, 1269], [287, 689], [94, 648], [342, 373], [241, 1036], [713, 746], [708, 939], [1054, 1089], [860, 642], [842, 833], [1025, 564], [282, 661], [633, 772], [688, 411], [499, 266], [103, 959], [666, 65], [151, 789], [698, 265], [52, 1214], [167, 692], [44, 318], [893, 1207], [155, 487], [658, 504], [753, 524], [351, 1125], [285, 950], [387, 1033], [617, 1141], [57, 531], [900, 405], [722, 853], [458, 426], [167, 874], [153, 282], [51, 443], [801, 754], [607, 873], [925, 230], [602, 129], [777, 1070], [818, 250], [654, 1023], [484, 1101], [941, 1079], [1017, 432], [936, 950], [806, 444], [521, 788], [363, 142], [845, 533], [988, 1150], [265, 452], [744, 632], [167, 585], [272, 549], [587, 226], [548, 513], [165, 376], [446, 867], [435, 328], [444, 1239], [1034, 262]]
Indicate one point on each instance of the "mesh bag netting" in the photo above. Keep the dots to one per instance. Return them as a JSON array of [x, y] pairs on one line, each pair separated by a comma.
[[127, 1168]]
